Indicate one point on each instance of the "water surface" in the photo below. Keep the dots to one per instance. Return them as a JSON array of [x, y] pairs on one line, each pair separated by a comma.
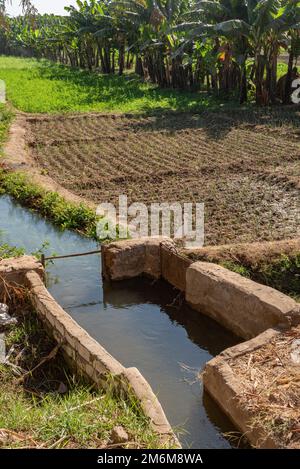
[[135, 322]]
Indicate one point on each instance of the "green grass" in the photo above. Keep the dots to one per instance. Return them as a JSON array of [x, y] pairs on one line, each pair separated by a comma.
[[282, 273], [43, 87], [41, 416], [65, 215], [40, 86], [5, 120], [7, 251], [71, 417]]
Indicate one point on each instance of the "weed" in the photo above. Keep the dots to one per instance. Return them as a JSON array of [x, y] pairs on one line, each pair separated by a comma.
[[282, 273], [65, 215], [237, 268]]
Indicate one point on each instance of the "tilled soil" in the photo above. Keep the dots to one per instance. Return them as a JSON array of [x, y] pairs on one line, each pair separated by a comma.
[[245, 166]]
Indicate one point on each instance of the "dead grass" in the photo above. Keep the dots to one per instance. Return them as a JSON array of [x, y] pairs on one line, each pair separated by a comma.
[[270, 380], [245, 167]]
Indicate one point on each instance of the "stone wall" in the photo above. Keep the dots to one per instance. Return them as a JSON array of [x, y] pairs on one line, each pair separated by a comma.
[[250, 310], [174, 266], [82, 352], [239, 304], [132, 258], [13, 271], [223, 386]]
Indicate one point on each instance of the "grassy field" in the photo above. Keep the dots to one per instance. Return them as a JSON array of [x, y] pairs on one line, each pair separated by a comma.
[[243, 165], [41, 86]]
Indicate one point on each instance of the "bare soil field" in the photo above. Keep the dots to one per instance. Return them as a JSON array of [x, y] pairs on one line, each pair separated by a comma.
[[244, 165]]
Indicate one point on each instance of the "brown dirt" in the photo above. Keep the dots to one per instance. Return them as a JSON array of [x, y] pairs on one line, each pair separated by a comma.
[[245, 166], [270, 379]]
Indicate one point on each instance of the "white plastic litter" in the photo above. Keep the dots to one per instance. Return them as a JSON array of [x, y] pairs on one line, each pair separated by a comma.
[[295, 352], [2, 349], [5, 318]]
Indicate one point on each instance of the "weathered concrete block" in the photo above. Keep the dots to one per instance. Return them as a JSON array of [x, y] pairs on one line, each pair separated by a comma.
[[174, 267], [14, 270], [132, 258], [241, 305], [132, 379], [70, 352], [226, 389]]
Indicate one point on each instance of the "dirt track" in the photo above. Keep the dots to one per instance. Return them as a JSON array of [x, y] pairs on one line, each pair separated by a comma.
[[245, 166]]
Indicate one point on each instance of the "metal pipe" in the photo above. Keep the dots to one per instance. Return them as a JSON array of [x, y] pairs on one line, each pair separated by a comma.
[[44, 259]]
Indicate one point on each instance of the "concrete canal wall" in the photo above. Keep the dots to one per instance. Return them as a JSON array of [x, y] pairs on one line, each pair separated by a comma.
[[254, 312], [84, 354]]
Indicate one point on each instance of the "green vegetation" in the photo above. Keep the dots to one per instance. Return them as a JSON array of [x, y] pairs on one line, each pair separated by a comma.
[[50, 407], [7, 251], [282, 273], [41, 86], [5, 119], [227, 47], [237, 268], [65, 215]]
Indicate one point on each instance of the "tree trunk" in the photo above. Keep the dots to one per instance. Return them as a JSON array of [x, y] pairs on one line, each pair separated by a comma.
[[288, 81], [261, 92], [121, 58], [244, 84], [139, 69]]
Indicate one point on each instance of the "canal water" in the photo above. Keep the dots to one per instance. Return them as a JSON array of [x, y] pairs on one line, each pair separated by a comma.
[[135, 321]]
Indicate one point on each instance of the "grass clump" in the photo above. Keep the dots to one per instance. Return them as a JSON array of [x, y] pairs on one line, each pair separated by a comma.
[[282, 273], [7, 251], [237, 268], [43, 405], [65, 215], [5, 119]]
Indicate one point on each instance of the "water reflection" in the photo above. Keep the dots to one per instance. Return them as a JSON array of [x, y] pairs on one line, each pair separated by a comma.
[[133, 321]]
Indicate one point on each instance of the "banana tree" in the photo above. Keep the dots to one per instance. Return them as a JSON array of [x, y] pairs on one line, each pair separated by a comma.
[[293, 41], [27, 6], [253, 28], [150, 38], [225, 23], [265, 31]]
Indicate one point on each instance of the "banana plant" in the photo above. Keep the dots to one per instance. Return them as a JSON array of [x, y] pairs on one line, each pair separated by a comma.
[[255, 28], [225, 45], [27, 6]]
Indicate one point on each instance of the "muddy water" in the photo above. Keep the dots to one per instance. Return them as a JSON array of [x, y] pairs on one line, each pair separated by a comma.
[[135, 322]]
